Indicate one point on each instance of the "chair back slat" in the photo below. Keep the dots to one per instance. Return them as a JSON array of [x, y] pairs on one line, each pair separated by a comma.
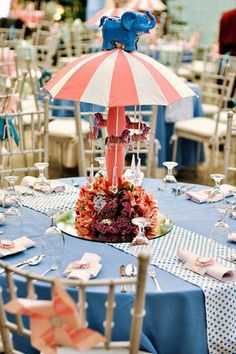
[[12, 288], [83, 305], [110, 305], [80, 287], [231, 129]]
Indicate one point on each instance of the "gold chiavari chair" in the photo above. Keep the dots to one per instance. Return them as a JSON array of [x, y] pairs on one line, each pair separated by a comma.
[[15, 277], [203, 129], [20, 148], [229, 148]]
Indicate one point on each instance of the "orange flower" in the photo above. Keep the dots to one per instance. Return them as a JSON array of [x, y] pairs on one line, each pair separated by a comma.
[[142, 204]]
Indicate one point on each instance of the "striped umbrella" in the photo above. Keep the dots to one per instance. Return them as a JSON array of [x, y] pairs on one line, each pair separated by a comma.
[[118, 78], [147, 5], [109, 12], [115, 79]]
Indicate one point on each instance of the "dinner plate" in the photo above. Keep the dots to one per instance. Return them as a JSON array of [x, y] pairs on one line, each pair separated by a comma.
[[66, 224]]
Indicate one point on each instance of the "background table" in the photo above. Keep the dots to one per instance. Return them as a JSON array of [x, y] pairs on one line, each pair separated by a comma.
[[175, 319]]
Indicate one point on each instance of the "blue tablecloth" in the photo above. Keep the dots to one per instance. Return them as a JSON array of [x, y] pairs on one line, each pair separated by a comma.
[[175, 319], [186, 155]]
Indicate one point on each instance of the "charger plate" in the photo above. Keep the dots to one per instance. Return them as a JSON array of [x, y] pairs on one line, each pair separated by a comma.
[[65, 223]]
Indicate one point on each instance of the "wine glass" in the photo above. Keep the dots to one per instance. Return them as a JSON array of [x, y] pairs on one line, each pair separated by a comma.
[[102, 169], [42, 183], [232, 203], [169, 182], [216, 197], [141, 239], [53, 243], [12, 208]]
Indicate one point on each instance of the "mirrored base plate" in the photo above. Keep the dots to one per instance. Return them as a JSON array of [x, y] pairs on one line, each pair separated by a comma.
[[65, 223]]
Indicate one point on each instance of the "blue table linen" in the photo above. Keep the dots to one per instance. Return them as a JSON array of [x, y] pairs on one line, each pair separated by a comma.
[[175, 319]]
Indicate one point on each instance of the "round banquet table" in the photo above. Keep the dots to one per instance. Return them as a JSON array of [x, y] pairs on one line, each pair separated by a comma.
[[175, 318]]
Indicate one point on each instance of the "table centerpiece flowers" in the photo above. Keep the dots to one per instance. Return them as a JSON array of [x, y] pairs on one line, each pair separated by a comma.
[[107, 216]]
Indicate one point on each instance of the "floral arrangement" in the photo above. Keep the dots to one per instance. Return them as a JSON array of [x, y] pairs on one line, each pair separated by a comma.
[[105, 216]]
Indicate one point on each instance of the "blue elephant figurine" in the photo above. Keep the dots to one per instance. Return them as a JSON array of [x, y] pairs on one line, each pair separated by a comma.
[[125, 30]]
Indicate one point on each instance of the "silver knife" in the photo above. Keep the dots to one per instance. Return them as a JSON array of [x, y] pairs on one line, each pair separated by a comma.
[[231, 260]]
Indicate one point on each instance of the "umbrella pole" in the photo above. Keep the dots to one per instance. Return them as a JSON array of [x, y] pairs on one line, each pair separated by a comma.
[[115, 154], [139, 125], [114, 187]]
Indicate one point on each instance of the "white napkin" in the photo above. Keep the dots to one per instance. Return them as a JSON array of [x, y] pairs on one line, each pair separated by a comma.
[[202, 195], [19, 244], [85, 268], [215, 270], [56, 186]]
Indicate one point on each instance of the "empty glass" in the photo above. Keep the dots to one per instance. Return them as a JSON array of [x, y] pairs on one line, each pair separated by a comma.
[[169, 182], [232, 205], [53, 243], [12, 209], [140, 239], [216, 197], [42, 183]]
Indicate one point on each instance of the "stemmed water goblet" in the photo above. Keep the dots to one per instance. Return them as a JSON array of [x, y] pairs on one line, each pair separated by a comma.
[[169, 182], [102, 169], [232, 204], [12, 207], [216, 197], [53, 243], [140, 239], [42, 183]]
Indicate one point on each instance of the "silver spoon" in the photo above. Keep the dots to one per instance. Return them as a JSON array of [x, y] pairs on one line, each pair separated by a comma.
[[33, 261], [54, 266], [30, 261]]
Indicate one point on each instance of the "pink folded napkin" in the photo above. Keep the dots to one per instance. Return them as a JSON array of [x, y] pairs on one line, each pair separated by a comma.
[[8, 247], [202, 265], [55, 186], [202, 195], [232, 237], [85, 268]]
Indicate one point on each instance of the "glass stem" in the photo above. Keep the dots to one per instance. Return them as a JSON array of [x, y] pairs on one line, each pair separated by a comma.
[[53, 220], [170, 172]]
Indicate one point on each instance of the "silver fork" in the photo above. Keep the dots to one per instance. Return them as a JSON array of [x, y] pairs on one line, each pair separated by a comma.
[[152, 274]]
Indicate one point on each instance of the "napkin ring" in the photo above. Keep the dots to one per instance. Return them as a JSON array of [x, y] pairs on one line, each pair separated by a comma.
[[204, 261], [7, 244]]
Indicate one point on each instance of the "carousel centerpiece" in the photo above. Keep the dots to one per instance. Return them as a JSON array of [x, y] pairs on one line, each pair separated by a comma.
[[118, 76]]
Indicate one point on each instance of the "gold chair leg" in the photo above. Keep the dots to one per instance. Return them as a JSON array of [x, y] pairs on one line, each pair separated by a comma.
[[175, 147]]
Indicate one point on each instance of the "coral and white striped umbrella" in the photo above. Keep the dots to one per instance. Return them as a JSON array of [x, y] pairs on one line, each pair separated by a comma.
[[147, 5], [109, 12], [118, 78]]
